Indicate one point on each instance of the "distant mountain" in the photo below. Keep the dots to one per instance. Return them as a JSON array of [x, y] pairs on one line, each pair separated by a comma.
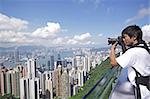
[[101, 48], [2, 49], [30, 48], [21, 48]]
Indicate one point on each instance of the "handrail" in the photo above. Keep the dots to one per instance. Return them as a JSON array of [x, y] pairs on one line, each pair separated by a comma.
[[104, 83]]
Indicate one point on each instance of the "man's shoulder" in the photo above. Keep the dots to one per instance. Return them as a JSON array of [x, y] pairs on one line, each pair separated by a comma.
[[141, 47], [136, 50]]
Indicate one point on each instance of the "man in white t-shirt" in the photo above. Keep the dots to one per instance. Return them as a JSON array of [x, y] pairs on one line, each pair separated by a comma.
[[136, 57]]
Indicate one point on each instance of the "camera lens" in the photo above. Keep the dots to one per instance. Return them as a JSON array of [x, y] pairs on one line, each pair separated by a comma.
[[112, 40]]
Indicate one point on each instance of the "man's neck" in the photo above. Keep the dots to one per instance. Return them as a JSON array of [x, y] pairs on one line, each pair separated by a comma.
[[135, 42]]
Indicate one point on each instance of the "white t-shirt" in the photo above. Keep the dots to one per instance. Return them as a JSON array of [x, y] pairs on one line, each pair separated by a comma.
[[139, 58]]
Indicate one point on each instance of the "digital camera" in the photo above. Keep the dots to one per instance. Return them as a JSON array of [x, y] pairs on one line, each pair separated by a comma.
[[114, 40], [119, 41]]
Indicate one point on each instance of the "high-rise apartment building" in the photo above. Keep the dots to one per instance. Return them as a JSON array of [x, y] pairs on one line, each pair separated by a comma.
[[16, 55], [3, 84], [30, 85], [29, 88], [80, 74], [50, 63], [16, 75], [86, 63], [34, 88], [24, 90], [58, 73], [48, 86], [31, 65], [9, 82], [65, 85]]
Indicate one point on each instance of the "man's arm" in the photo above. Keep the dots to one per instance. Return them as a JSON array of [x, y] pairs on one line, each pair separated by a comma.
[[113, 61]]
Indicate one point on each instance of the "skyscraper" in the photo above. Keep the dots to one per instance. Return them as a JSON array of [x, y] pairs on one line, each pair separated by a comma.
[[58, 73], [29, 88], [48, 86], [9, 82], [59, 62], [80, 74], [65, 85], [30, 85], [31, 65], [3, 84], [24, 90], [34, 88], [16, 55], [50, 63], [2, 81]]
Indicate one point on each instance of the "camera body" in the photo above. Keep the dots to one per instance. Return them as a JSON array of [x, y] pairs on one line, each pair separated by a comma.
[[114, 40], [119, 41]]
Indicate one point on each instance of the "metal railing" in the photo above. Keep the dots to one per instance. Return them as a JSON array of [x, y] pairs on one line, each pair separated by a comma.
[[104, 86]]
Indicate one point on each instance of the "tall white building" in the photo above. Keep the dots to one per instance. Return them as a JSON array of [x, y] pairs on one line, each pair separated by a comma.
[[78, 60], [34, 88], [48, 86], [85, 64], [42, 82], [80, 74], [24, 88], [29, 87], [12, 82], [89, 63], [31, 65]]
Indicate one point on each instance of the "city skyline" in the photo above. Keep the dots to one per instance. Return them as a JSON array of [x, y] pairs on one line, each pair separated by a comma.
[[35, 81], [69, 22]]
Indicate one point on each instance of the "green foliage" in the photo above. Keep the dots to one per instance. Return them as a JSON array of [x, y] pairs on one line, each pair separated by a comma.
[[8, 96], [95, 75]]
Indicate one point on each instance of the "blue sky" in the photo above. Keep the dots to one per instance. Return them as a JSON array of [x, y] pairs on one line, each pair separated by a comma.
[[69, 22]]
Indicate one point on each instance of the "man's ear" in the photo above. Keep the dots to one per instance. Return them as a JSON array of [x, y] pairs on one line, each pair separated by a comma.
[[134, 38]]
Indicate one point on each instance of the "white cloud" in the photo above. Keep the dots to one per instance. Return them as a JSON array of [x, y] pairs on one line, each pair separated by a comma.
[[12, 33], [11, 23], [100, 35], [72, 41], [40, 36], [141, 14], [14, 37], [146, 32], [10, 30], [50, 30], [82, 37], [58, 41]]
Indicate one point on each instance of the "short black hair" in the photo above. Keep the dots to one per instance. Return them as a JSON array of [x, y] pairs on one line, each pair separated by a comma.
[[133, 31]]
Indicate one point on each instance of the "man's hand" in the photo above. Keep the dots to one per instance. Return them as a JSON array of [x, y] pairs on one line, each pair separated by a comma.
[[113, 47], [113, 61]]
